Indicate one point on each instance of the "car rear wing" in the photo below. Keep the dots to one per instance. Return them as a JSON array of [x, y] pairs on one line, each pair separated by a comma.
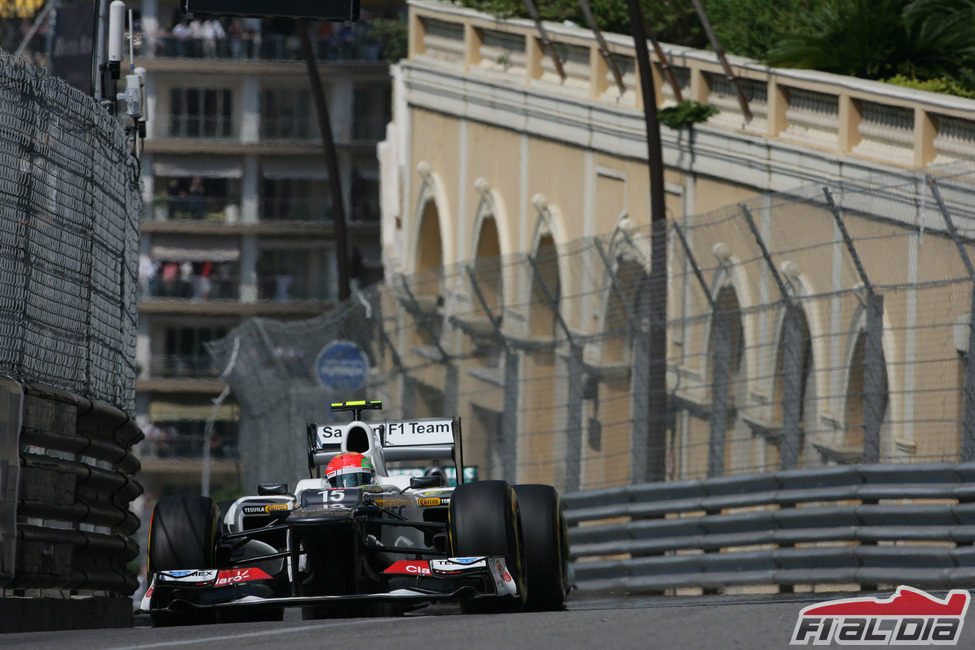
[[414, 439]]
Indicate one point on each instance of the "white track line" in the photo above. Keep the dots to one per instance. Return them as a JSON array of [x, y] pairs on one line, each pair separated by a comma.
[[247, 635]]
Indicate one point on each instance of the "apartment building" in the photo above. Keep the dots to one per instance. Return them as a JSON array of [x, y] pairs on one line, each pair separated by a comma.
[[238, 218]]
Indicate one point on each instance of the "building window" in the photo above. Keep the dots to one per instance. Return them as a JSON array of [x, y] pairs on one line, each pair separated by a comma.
[[371, 112], [364, 195], [196, 198], [292, 199], [201, 113], [285, 114], [184, 438], [296, 271], [186, 354]]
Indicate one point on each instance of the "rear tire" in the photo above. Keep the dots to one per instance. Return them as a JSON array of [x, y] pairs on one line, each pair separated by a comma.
[[183, 534], [484, 521], [546, 546]]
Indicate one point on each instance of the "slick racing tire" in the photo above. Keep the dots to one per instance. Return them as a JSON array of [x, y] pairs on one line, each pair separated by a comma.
[[484, 520], [183, 534], [546, 546]]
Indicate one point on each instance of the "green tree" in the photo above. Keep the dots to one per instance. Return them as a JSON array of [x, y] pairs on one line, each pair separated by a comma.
[[878, 39], [752, 27], [910, 42]]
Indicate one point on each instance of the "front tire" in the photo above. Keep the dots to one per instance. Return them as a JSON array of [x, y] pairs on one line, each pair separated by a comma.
[[546, 546], [183, 534], [484, 520]]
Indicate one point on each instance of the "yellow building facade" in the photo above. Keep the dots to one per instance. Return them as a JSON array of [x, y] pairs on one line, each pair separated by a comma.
[[516, 210]]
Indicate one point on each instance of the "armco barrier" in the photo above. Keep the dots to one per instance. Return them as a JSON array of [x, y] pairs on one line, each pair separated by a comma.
[[856, 525], [72, 537]]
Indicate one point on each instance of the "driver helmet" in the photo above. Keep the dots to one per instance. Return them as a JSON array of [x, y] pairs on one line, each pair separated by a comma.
[[350, 469]]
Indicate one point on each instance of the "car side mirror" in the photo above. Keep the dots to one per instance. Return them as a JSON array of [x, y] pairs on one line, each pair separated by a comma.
[[272, 489], [420, 482]]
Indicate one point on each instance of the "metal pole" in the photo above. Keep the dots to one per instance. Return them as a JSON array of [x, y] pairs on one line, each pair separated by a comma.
[[792, 356], [38, 21], [968, 424], [550, 298], [533, 12], [495, 320], [720, 380], [509, 416], [603, 48], [657, 285], [573, 425], [874, 377], [101, 12], [328, 143], [208, 430], [665, 66], [694, 266], [724, 60]]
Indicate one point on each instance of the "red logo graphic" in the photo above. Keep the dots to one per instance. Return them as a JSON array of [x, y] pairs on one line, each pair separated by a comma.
[[415, 568], [234, 576], [504, 573], [909, 617]]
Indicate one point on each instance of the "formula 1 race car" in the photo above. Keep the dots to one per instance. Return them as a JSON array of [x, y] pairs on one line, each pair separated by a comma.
[[359, 541]]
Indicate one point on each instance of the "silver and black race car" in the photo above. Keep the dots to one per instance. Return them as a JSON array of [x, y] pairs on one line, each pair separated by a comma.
[[394, 544]]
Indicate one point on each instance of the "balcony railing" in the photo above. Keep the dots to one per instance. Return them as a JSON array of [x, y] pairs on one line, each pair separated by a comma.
[[282, 287], [292, 127], [219, 285], [267, 47], [171, 443], [364, 208], [194, 125], [369, 128], [866, 119], [182, 365], [295, 210], [205, 208]]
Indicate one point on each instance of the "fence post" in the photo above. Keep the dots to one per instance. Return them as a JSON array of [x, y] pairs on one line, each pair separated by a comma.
[[509, 416], [791, 365], [874, 373], [721, 351], [574, 420], [640, 387], [791, 387], [968, 424], [874, 382], [11, 407]]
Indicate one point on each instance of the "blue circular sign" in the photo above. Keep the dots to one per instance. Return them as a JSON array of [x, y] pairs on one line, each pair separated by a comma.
[[342, 366]]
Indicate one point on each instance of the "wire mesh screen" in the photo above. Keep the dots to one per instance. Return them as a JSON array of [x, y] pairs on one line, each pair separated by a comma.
[[69, 235], [828, 325]]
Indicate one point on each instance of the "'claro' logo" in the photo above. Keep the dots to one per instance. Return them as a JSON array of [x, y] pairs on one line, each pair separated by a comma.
[[909, 617]]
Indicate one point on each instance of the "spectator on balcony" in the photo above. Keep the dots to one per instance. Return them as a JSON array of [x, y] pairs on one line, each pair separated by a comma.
[[170, 279], [206, 270], [148, 275], [175, 199], [211, 31], [252, 37], [186, 279], [195, 198], [235, 32], [346, 42], [225, 281], [159, 441], [182, 34]]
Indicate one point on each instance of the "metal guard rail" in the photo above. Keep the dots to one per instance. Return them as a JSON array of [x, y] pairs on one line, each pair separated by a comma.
[[857, 524], [74, 526]]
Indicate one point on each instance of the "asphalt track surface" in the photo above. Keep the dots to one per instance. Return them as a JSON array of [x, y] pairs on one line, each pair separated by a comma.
[[594, 623]]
